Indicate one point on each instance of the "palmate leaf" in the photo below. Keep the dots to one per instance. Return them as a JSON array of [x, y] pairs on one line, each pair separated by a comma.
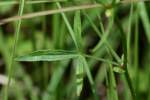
[[48, 55]]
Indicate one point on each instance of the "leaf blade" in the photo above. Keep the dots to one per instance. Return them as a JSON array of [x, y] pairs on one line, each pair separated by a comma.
[[48, 55], [78, 30], [79, 75]]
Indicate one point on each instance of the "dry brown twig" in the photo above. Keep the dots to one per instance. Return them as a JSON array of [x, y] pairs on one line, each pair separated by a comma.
[[56, 11]]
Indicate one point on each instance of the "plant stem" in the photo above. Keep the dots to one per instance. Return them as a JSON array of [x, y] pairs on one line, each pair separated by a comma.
[[124, 43], [136, 56], [17, 33], [129, 35]]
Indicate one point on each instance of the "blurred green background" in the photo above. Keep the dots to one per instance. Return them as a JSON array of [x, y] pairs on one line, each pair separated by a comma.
[[43, 80]]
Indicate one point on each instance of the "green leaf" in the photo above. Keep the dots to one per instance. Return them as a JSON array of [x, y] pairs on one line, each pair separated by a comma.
[[118, 70], [112, 84], [89, 75], [79, 74], [48, 55], [68, 25], [108, 46], [77, 29], [145, 19], [79, 63], [105, 34]]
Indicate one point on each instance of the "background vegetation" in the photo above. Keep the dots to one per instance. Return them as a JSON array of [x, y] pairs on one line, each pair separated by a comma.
[[75, 49]]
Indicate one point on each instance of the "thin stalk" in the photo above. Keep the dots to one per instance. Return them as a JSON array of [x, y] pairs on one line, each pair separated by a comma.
[[101, 52], [108, 47], [68, 26], [107, 85], [125, 65], [136, 40], [17, 33], [101, 59], [67, 9], [45, 64], [4, 3], [112, 83], [56, 32], [136, 56], [62, 36], [129, 35], [89, 75], [105, 34], [50, 12]]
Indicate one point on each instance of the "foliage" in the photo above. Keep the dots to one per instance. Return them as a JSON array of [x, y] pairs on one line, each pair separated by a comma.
[[72, 49]]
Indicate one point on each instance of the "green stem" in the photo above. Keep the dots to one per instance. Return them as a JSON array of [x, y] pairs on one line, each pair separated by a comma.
[[89, 75], [68, 26], [101, 59], [124, 43], [108, 46], [112, 83], [17, 32], [129, 35], [136, 56]]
